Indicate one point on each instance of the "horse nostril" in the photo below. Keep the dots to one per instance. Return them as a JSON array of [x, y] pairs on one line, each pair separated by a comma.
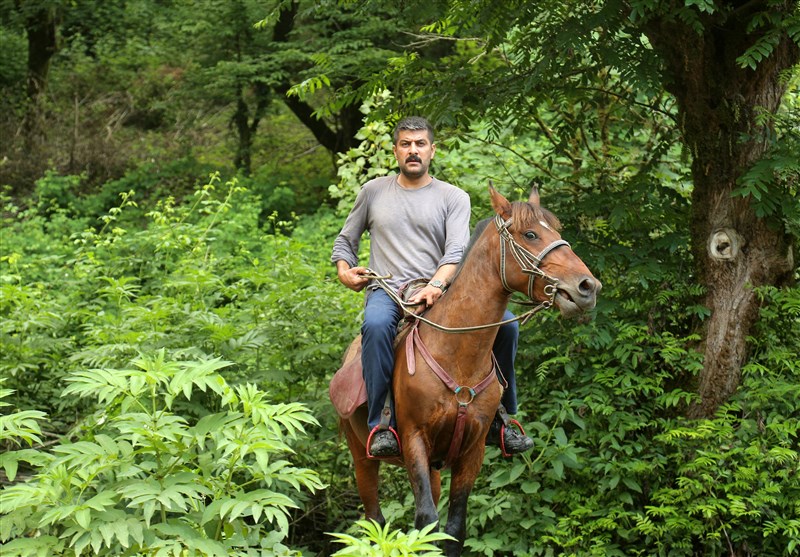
[[589, 286]]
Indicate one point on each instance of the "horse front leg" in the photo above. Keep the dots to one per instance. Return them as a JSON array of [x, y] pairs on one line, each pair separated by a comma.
[[419, 473], [464, 472]]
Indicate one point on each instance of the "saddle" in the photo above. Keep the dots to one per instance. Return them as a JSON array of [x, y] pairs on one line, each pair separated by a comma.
[[347, 389]]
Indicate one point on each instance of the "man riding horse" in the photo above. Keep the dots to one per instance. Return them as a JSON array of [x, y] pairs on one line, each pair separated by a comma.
[[419, 227]]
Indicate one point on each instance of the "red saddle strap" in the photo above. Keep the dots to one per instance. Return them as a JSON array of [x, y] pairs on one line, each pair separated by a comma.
[[413, 341]]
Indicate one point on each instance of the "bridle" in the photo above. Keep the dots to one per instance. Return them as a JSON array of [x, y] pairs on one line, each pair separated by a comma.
[[528, 263]]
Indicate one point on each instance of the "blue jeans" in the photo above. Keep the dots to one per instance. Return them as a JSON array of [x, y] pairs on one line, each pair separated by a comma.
[[381, 316]]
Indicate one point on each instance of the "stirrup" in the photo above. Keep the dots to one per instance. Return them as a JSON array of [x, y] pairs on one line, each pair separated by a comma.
[[511, 421], [381, 427], [506, 421]]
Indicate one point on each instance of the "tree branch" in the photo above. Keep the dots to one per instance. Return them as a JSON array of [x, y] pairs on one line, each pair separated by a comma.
[[531, 162]]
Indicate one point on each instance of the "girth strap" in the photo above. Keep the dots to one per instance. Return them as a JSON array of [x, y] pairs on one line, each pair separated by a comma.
[[413, 341]]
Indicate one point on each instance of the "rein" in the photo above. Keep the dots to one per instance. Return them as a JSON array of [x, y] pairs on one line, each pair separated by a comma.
[[529, 264]]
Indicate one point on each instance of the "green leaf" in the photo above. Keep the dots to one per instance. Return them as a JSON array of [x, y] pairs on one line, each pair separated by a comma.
[[558, 469], [10, 465], [102, 500], [83, 517]]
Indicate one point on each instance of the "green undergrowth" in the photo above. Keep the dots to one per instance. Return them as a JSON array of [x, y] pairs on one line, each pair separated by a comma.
[[165, 393]]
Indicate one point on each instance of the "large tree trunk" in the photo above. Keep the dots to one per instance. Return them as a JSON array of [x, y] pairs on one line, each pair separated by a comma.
[[733, 250], [40, 28]]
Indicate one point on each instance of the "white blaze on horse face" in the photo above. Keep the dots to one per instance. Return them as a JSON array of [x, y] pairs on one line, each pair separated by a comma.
[[545, 225]]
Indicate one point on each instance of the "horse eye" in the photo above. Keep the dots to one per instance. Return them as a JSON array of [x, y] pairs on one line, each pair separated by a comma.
[[530, 235]]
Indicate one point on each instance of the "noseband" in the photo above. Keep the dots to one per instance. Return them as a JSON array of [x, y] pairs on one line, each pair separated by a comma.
[[528, 263]]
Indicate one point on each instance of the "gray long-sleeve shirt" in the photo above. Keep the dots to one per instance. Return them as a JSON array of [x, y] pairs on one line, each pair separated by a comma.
[[413, 232]]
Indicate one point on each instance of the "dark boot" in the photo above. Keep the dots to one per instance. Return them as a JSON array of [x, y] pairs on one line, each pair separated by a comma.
[[509, 440], [384, 444]]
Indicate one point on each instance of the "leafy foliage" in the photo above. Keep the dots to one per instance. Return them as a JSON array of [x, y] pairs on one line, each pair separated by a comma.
[[196, 280], [197, 323], [772, 183], [15, 429], [371, 159], [380, 541], [142, 478], [169, 284]]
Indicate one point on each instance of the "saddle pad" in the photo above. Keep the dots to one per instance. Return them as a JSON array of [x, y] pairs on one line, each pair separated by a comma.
[[347, 389]]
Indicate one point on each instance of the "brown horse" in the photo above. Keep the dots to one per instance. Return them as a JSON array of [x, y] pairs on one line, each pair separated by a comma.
[[429, 412]]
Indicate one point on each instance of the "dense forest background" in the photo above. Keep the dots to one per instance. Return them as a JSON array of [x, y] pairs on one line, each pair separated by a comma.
[[174, 173]]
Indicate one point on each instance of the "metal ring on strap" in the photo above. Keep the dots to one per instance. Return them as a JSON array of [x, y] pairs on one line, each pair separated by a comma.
[[471, 395]]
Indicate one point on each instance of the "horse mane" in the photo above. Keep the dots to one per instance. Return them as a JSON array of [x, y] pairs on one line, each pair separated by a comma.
[[479, 228], [526, 215]]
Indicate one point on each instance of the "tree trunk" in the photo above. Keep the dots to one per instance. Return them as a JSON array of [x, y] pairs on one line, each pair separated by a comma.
[[734, 251], [348, 121], [247, 126], [243, 158], [40, 27]]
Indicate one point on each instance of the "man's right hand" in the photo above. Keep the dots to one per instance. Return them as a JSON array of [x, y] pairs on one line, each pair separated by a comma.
[[353, 277]]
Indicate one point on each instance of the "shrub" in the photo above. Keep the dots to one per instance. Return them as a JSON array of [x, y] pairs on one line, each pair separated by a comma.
[[381, 541], [144, 477]]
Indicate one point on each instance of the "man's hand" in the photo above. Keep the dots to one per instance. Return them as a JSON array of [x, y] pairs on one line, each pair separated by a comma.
[[352, 277], [430, 293], [427, 295]]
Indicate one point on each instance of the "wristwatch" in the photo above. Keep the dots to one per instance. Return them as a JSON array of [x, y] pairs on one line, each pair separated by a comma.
[[438, 284]]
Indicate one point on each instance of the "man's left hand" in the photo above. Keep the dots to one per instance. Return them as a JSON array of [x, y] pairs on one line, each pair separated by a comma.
[[427, 295]]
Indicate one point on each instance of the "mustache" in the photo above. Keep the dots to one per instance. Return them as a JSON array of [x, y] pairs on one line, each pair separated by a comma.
[[413, 158]]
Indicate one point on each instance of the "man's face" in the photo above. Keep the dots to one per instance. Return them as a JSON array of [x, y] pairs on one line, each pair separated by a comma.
[[414, 152]]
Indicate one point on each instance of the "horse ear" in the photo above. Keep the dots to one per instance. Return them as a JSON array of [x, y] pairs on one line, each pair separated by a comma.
[[533, 198], [500, 204]]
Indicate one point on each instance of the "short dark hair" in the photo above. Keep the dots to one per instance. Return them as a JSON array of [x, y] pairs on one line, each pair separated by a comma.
[[413, 123]]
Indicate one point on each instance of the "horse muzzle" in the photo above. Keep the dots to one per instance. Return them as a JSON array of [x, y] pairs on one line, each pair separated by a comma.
[[576, 297]]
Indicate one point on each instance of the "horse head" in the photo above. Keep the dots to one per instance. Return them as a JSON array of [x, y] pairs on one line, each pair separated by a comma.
[[546, 268]]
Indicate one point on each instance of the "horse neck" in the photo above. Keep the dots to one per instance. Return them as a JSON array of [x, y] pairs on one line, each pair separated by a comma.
[[476, 297]]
